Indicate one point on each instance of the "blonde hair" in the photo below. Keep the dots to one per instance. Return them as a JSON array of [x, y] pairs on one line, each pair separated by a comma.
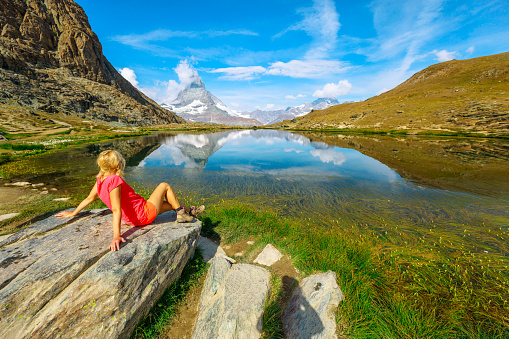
[[110, 162]]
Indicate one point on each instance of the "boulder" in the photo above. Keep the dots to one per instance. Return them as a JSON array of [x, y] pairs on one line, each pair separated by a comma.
[[310, 312], [268, 256], [58, 279], [232, 301]]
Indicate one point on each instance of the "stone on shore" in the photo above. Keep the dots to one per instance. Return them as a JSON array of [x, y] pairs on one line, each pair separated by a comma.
[[268, 256], [232, 301], [8, 216], [210, 250], [58, 279], [310, 312]]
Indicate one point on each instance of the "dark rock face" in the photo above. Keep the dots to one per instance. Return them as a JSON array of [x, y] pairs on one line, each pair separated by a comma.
[[51, 60]]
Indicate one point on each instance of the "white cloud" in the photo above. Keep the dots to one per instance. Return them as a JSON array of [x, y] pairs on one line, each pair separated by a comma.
[[292, 97], [289, 150], [306, 68], [295, 69], [444, 55], [332, 90], [470, 50], [321, 22], [129, 75], [383, 90], [240, 73], [329, 155], [187, 75]]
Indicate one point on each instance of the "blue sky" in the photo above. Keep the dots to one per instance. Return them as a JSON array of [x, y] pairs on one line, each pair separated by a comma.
[[279, 53]]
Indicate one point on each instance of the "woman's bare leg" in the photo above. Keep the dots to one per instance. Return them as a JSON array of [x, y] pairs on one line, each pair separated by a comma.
[[164, 199]]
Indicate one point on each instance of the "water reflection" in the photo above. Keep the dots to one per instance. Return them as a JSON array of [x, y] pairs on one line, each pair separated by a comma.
[[275, 153]]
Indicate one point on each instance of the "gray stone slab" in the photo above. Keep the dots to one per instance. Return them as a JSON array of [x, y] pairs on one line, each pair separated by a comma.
[[232, 301], [8, 216], [210, 249], [47, 225], [310, 312], [66, 283], [268, 256]]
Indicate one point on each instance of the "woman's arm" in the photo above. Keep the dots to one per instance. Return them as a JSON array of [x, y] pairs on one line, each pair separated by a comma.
[[87, 201], [117, 215]]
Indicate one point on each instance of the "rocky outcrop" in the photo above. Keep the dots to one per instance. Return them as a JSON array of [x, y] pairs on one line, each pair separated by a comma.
[[232, 301], [58, 278], [310, 312], [52, 61]]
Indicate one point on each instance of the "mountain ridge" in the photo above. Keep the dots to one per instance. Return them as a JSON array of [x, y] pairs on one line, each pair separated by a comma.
[[460, 95], [51, 61]]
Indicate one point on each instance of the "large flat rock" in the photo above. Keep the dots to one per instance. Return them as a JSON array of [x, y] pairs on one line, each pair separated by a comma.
[[58, 278], [232, 301], [310, 312]]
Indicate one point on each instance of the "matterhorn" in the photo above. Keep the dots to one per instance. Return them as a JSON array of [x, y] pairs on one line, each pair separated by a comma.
[[195, 103]]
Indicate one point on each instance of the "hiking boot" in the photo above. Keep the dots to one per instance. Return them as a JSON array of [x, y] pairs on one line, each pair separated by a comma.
[[197, 211], [183, 216]]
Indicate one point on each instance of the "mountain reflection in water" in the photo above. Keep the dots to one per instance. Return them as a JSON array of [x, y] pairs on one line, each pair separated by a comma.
[[268, 152]]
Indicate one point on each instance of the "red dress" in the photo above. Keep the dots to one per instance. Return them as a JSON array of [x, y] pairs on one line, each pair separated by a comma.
[[132, 205]]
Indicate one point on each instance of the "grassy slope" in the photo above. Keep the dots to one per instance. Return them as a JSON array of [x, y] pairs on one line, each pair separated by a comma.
[[458, 95]]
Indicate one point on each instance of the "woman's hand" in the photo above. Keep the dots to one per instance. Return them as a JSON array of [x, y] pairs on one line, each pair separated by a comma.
[[65, 214], [115, 244]]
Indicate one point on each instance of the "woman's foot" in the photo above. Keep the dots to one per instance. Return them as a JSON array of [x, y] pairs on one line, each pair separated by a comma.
[[183, 216], [197, 211]]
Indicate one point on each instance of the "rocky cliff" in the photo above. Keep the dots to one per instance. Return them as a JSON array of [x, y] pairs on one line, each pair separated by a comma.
[[52, 61]]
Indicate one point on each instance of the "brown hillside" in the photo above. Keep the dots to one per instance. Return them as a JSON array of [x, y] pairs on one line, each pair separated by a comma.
[[458, 95], [51, 62]]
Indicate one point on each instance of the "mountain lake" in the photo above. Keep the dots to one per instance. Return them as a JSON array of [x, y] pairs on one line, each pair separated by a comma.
[[411, 194]]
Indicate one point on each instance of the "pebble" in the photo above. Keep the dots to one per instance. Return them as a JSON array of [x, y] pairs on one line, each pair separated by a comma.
[[238, 254], [44, 192], [61, 199], [20, 183], [8, 216], [38, 185], [250, 242], [53, 189]]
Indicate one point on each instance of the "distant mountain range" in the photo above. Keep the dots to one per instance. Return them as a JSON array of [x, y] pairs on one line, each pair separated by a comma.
[[272, 117], [195, 103]]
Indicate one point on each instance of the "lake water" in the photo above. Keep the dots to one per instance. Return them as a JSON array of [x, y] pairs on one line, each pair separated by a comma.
[[450, 194]]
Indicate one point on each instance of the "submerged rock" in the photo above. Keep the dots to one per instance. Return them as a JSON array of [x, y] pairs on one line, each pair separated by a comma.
[[232, 301], [58, 278], [310, 312]]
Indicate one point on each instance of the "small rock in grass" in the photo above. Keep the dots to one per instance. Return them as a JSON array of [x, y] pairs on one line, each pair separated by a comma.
[[8, 216], [239, 254], [19, 183], [250, 242], [38, 185], [269, 256], [61, 199], [44, 192], [53, 189]]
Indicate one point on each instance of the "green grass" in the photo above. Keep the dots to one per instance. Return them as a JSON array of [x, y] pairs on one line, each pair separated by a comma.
[[387, 294], [167, 306]]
